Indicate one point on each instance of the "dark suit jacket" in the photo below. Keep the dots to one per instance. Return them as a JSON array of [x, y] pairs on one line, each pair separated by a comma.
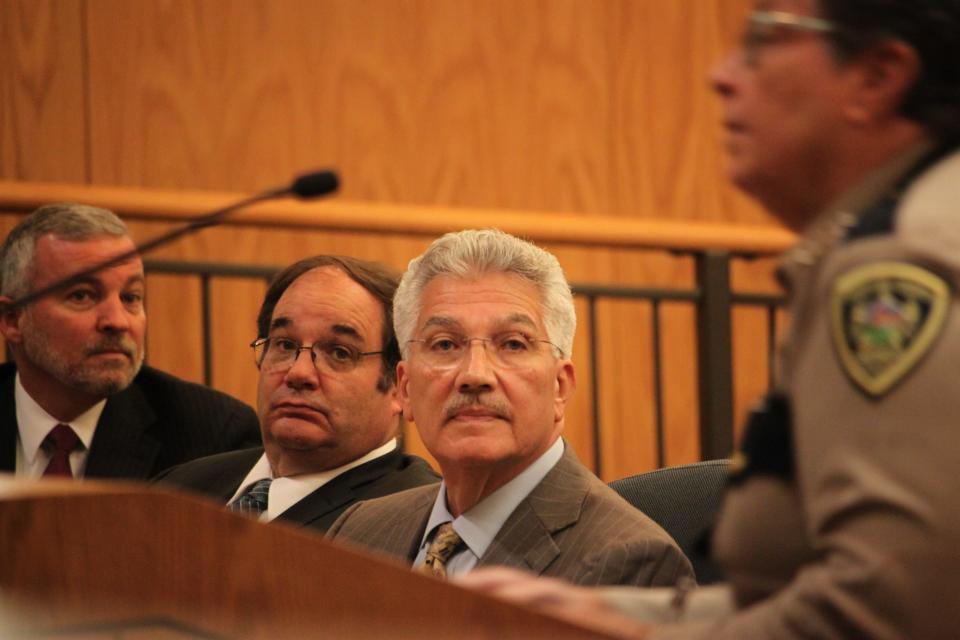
[[571, 526], [220, 476], [156, 422]]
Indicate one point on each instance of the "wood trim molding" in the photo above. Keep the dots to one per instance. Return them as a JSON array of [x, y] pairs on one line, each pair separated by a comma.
[[371, 217]]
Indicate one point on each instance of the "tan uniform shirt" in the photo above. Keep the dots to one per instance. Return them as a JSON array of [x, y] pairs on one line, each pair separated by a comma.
[[865, 541]]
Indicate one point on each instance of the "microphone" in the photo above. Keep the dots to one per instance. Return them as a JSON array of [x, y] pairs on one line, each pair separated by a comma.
[[309, 185], [318, 183]]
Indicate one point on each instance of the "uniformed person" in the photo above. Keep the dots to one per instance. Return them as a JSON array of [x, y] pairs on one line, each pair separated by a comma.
[[843, 519]]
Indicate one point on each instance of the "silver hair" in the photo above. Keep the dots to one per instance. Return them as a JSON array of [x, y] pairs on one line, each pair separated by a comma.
[[67, 220], [473, 251]]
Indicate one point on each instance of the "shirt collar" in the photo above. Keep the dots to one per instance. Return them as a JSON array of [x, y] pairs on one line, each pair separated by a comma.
[[34, 423], [287, 491], [479, 525]]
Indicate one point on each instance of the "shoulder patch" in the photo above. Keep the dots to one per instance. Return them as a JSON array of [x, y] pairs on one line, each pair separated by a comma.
[[884, 318]]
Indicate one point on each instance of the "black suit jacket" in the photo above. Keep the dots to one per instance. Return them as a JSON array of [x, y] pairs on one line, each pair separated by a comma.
[[220, 476], [156, 422]]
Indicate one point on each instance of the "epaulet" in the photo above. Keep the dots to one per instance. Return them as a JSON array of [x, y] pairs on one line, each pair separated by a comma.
[[880, 217]]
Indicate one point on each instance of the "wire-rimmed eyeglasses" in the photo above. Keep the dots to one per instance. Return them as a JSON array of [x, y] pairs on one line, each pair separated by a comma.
[[513, 350], [274, 354]]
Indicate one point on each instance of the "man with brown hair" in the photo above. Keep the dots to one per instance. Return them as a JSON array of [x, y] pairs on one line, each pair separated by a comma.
[[327, 400]]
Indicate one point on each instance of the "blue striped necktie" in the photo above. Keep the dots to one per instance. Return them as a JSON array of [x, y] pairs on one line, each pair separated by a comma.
[[254, 501]]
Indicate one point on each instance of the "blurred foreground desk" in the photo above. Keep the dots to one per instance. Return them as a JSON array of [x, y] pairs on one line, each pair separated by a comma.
[[97, 560]]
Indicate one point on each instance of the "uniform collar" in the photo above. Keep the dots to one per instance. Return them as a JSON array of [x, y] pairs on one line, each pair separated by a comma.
[[830, 226]]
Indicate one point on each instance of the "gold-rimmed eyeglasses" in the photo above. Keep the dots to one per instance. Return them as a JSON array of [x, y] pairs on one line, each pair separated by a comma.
[[276, 353], [512, 350]]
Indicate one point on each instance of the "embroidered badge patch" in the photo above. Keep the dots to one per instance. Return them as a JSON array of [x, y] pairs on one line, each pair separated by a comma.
[[885, 316]]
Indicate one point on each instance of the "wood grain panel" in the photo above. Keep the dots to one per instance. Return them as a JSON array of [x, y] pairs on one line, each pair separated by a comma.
[[42, 105], [234, 304], [578, 427], [174, 329], [627, 408], [679, 382], [561, 105]]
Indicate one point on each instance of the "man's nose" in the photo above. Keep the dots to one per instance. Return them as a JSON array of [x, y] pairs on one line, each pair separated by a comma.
[[722, 75], [113, 315], [303, 373], [477, 371]]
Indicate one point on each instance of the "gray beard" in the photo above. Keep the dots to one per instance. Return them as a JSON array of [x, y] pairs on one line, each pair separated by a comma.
[[92, 380]]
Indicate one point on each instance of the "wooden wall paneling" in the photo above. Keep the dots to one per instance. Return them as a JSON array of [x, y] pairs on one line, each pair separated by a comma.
[[174, 328], [42, 92], [627, 421], [235, 303], [561, 105], [681, 410], [578, 420], [665, 131]]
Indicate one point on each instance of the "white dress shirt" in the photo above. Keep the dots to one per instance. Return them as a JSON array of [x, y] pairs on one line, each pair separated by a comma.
[[33, 425]]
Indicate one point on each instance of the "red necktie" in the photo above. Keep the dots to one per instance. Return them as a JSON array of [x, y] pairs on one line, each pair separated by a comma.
[[59, 443]]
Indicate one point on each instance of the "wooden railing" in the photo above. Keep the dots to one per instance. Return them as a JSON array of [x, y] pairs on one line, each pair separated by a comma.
[[594, 230]]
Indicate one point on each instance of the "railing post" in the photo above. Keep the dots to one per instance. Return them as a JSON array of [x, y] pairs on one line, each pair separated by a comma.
[[207, 324], [714, 357]]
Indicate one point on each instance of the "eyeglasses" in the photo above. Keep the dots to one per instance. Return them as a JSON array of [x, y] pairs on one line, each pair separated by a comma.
[[274, 354], [762, 28], [512, 350]]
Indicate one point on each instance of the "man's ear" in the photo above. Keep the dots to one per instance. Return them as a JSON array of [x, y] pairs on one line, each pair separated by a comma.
[[566, 383], [885, 74], [10, 321], [403, 393], [393, 394]]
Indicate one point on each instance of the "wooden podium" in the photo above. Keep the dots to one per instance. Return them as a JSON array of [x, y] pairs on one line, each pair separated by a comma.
[[97, 560]]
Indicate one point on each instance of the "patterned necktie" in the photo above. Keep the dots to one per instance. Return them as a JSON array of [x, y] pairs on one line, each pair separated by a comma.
[[445, 543], [59, 444], [254, 501]]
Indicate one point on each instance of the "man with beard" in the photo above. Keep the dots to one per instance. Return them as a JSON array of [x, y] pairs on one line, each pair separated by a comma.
[[485, 323], [77, 401]]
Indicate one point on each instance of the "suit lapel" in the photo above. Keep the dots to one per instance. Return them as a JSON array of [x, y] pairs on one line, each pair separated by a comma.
[[526, 538], [234, 468], [412, 516], [8, 419], [341, 490], [122, 446]]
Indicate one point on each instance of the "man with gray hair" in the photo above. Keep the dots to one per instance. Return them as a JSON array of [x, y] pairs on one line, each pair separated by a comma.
[[485, 323], [77, 401]]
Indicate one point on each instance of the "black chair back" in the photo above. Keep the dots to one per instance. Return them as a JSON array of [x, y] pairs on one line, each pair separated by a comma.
[[684, 501]]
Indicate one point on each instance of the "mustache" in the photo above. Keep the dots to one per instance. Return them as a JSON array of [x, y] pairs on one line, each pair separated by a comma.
[[125, 345], [476, 401]]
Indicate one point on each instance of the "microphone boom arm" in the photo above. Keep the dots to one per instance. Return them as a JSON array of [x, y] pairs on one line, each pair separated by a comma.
[[307, 186]]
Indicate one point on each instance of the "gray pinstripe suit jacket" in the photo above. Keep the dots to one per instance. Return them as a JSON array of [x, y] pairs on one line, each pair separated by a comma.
[[571, 526]]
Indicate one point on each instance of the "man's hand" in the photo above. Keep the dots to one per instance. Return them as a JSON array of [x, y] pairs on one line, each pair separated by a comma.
[[582, 606]]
